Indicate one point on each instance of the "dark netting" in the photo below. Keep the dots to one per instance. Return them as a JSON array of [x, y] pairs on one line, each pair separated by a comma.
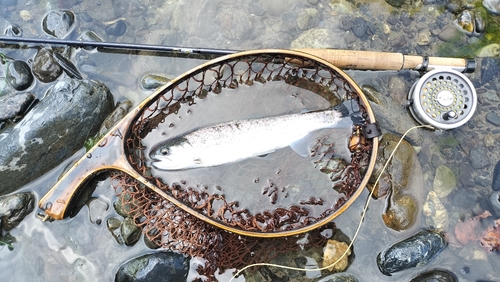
[[172, 227]]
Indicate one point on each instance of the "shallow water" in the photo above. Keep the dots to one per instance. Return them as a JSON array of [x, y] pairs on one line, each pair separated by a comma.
[[76, 249]]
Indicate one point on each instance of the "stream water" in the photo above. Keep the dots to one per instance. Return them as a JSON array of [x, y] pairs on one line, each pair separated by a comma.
[[80, 249]]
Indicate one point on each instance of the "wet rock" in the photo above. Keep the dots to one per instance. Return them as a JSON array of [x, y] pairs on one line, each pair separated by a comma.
[[15, 105], [68, 67], [19, 75], [14, 208], [495, 185], [97, 210], [494, 118], [113, 225], [120, 111], [158, 267], [308, 18], [332, 252], [435, 213], [444, 181], [435, 275], [395, 3], [45, 68], [465, 198], [417, 250], [424, 38], [130, 232], [401, 213], [52, 131], [340, 277], [479, 157], [490, 67], [153, 81], [359, 27], [492, 5], [465, 22], [116, 28], [494, 203], [449, 33], [490, 50], [59, 23]]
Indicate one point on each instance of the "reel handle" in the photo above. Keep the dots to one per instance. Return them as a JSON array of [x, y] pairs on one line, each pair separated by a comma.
[[372, 60]]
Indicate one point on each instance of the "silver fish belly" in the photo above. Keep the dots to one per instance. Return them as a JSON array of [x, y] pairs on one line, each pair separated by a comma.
[[240, 139]]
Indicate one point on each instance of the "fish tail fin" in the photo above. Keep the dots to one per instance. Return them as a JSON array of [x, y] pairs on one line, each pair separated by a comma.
[[342, 109]]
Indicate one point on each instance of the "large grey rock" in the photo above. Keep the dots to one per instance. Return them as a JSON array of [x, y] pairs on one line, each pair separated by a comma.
[[55, 129]]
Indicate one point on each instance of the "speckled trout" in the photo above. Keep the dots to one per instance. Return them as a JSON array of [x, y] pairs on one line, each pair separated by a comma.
[[241, 139]]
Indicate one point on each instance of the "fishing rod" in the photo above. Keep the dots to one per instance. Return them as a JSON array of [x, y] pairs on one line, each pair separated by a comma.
[[443, 97], [344, 59]]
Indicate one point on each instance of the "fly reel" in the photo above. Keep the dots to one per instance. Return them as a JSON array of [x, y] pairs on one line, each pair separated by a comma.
[[445, 99]]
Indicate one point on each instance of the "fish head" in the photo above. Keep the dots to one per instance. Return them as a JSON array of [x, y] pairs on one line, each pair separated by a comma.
[[174, 155]]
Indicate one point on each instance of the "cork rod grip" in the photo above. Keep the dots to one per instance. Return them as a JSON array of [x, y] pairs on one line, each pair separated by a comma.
[[371, 60]]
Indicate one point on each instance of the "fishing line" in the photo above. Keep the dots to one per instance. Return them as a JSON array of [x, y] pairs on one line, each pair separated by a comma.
[[359, 224]]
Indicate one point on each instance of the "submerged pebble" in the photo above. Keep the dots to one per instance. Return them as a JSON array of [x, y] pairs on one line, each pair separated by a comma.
[[19, 75], [435, 213], [160, 266], [415, 251], [444, 181], [14, 208], [116, 28], [59, 23], [153, 81], [495, 185], [435, 276], [45, 68], [15, 105], [332, 252]]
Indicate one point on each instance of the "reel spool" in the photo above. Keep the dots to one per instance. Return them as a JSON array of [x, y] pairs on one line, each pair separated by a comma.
[[445, 99]]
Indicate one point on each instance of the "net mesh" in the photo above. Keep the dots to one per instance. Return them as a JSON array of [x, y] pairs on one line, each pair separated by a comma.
[[172, 227]]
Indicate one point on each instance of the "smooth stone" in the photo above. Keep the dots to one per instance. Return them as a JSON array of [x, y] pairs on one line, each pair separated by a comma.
[[158, 267], [332, 252], [465, 198], [490, 67], [308, 19], [401, 213], [113, 225], [359, 27], [33, 146], [492, 5], [417, 250], [340, 277], [494, 203], [314, 38], [15, 105], [480, 19], [396, 3], [59, 23], [495, 185], [116, 28], [449, 33], [491, 95], [45, 68], [482, 180], [436, 214], [97, 210], [19, 75], [14, 208], [120, 111], [130, 232], [435, 275], [153, 81], [479, 157], [444, 181]]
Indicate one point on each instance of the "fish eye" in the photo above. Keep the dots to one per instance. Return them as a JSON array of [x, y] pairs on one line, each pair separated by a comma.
[[164, 151]]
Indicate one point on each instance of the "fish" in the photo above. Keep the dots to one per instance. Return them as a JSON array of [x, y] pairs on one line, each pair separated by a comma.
[[237, 140]]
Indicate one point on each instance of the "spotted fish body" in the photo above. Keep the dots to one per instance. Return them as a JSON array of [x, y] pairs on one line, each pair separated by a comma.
[[241, 139]]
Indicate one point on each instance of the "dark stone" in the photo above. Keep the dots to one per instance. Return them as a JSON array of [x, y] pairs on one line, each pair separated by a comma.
[[116, 28], [395, 3], [45, 68], [482, 180], [415, 251], [466, 175], [392, 20], [490, 67], [495, 185], [479, 157], [493, 118], [14, 208], [435, 276], [494, 203], [52, 131], [19, 75], [158, 267], [465, 198], [406, 19], [15, 105], [359, 27]]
